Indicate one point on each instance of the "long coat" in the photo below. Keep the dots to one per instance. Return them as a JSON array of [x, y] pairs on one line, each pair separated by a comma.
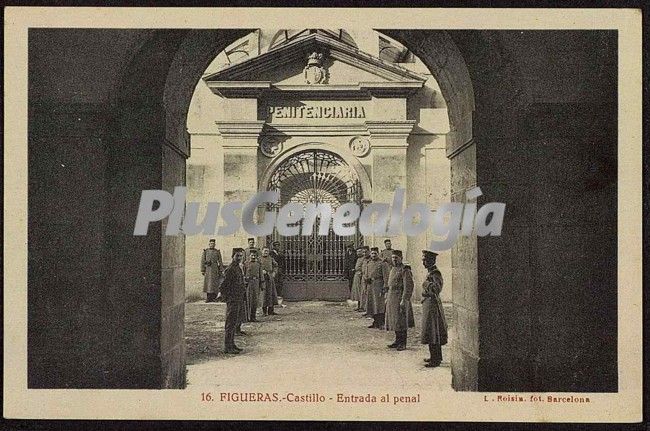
[[254, 285], [400, 288], [387, 256], [270, 293], [233, 287], [377, 272], [356, 281], [212, 268], [364, 284], [279, 276], [434, 325]]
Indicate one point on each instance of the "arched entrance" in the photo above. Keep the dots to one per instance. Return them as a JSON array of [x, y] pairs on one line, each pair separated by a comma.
[[314, 264]]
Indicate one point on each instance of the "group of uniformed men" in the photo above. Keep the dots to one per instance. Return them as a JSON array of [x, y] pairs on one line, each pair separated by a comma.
[[252, 279], [382, 285]]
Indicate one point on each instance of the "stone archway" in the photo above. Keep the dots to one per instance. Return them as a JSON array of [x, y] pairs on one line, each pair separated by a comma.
[[167, 68], [439, 53]]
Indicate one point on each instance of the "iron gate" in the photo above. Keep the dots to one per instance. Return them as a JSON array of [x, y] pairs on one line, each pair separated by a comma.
[[315, 265]]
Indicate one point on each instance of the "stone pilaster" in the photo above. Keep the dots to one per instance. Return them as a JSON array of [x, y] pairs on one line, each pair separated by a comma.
[[240, 143], [388, 150]]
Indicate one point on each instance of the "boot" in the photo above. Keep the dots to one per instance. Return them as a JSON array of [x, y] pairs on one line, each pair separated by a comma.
[[271, 312], [435, 352], [265, 311], [232, 349], [396, 343], [253, 313], [402, 341]]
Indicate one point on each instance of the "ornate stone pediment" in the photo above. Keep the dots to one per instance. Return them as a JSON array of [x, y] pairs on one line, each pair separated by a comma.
[[314, 64]]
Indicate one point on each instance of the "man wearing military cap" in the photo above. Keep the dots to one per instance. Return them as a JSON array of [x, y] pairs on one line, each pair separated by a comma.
[[434, 325], [233, 290], [399, 311], [253, 273], [387, 253], [376, 279], [212, 271], [269, 271]]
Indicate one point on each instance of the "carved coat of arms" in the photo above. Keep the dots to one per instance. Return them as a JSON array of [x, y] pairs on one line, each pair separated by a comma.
[[314, 72]]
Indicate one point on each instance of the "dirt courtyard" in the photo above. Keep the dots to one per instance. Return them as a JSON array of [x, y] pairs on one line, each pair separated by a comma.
[[308, 345]]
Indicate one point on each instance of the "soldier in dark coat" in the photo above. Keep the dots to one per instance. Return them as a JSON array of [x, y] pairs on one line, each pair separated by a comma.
[[251, 247], [387, 253], [278, 256], [434, 325], [253, 286], [377, 280], [269, 270], [356, 279], [212, 270], [399, 311], [233, 289]]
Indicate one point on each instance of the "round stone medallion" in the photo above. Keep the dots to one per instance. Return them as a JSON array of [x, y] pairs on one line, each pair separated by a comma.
[[360, 146], [271, 146]]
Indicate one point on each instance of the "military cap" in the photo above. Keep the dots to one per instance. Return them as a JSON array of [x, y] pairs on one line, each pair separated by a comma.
[[374, 249], [366, 247], [249, 239], [429, 254], [397, 253], [386, 240], [276, 242], [254, 251], [237, 250], [212, 240], [360, 248]]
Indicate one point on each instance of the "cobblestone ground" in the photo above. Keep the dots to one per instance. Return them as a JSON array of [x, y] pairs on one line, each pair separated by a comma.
[[309, 345]]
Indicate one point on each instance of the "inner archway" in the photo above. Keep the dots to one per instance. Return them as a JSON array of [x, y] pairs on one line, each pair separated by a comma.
[[378, 121]]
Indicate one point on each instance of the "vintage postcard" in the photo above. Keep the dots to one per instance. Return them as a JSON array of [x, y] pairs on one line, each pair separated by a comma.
[[323, 214]]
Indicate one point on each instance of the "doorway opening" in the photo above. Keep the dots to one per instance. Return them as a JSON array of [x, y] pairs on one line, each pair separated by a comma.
[[315, 264]]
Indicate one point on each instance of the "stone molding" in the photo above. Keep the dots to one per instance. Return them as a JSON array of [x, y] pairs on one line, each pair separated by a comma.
[[390, 129], [316, 130], [240, 129]]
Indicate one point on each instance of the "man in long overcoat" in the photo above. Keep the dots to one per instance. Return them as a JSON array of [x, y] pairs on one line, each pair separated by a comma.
[[253, 286], [269, 270], [377, 272], [434, 325], [233, 290], [364, 285], [356, 279], [399, 311], [212, 270]]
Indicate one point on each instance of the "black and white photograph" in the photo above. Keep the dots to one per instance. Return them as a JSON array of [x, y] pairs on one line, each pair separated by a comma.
[[381, 220]]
